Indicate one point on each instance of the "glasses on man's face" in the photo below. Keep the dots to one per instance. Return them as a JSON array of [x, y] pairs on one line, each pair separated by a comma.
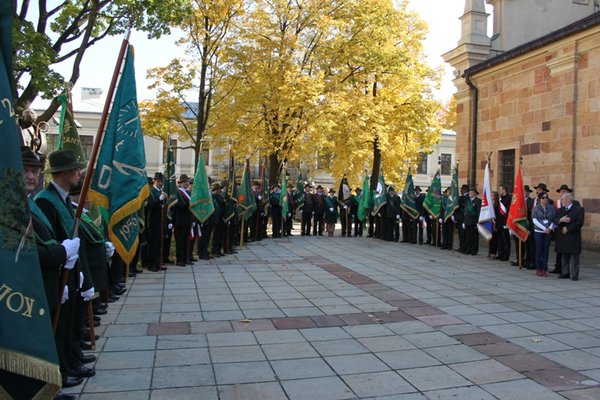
[[545, 198]]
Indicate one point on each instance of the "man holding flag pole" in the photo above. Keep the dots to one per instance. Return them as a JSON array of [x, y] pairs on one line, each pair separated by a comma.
[[517, 215], [480, 213]]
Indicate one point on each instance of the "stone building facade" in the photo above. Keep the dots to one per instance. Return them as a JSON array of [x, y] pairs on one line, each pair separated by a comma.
[[537, 101]]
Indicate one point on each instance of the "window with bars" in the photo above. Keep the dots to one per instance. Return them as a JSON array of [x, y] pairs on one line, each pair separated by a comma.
[[446, 164], [506, 168], [422, 166]]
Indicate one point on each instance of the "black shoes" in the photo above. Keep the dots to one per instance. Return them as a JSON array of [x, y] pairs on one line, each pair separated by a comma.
[[100, 311], [561, 276], [64, 396], [70, 381], [82, 372], [87, 358]]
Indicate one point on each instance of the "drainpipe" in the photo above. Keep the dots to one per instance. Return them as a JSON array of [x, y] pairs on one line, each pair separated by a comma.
[[474, 112]]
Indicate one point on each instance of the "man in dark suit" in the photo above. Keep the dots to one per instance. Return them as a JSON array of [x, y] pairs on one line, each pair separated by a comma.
[[319, 211], [308, 210], [417, 224], [182, 221], [502, 210], [154, 209], [569, 220], [55, 203], [472, 209], [275, 210], [289, 219], [459, 218], [564, 188], [216, 220], [392, 216], [354, 202]]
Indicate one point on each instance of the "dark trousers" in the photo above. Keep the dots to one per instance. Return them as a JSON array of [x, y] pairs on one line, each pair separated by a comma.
[[288, 225], [448, 235], [64, 332], [371, 229], [471, 239], [406, 230], [306, 223], [530, 250], [568, 267], [154, 242], [460, 231], [217, 238], [430, 226], [503, 244], [346, 221], [168, 233], [253, 225], [182, 233], [358, 227], [202, 242], [318, 224], [542, 246], [276, 219]]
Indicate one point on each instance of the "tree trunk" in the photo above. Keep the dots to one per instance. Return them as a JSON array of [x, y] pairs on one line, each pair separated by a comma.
[[376, 164], [273, 169]]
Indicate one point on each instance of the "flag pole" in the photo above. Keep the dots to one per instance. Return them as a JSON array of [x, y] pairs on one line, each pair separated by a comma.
[[258, 219], [91, 163], [520, 241]]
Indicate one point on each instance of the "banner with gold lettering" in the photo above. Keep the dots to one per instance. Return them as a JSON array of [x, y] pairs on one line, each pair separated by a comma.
[[119, 183], [28, 360]]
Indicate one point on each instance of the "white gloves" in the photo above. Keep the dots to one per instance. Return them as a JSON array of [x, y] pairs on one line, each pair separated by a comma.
[[398, 216], [431, 217], [72, 248], [421, 218], [259, 197], [170, 226], [80, 280], [441, 221], [289, 214], [193, 224], [345, 207], [463, 226], [88, 294], [65, 295], [452, 218], [162, 196], [110, 249], [331, 209]]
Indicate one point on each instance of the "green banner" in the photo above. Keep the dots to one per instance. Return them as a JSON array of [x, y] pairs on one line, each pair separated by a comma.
[[68, 137], [170, 180], [408, 197], [299, 194], [379, 195], [201, 202], [451, 200], [365, 203], [433, 198], [28, 360], [231, 192], [283, 196], [119, 183], [246, 198]]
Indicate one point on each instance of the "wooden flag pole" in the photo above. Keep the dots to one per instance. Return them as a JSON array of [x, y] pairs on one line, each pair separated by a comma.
[[91, 164], [520, 254]]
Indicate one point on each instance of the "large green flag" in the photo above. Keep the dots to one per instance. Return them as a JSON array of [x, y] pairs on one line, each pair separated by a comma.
[[283, 196], [231, 194], [28, 361], [365, 203], [119, 183], [379, 194], [452, 198], [246, 199], [201, 202], [433, 200], [299, 194], [408, 197], [68, 137]]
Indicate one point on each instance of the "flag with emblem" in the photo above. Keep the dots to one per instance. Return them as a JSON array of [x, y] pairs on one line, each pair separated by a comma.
[[451, 204], [486, 215], [68, 137], [119, 183], [299, 194], [231, 193], [170, 180], [517, 215], [365, 203], [283, 196], [433, 199], [344, 192], [28, 360], [408, 197], [246, 199], [379, 195], [201, 202]]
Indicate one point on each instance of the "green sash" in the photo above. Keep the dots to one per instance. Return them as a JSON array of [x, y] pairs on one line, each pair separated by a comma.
[[66, 215], [35, 210], [92, 232]]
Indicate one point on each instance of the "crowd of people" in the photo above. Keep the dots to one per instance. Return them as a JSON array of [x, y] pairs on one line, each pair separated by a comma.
[[96, 274]]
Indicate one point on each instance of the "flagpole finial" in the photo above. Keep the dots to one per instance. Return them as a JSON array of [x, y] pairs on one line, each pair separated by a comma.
[[521, 160], [489, 157], [439, 160]]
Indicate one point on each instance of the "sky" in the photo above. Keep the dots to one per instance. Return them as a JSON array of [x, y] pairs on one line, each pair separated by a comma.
[[98, 63]]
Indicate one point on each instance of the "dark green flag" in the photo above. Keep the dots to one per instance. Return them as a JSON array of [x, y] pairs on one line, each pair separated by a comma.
[[283, 196], [408, 197], [68, 137], [201, 202], [119, 183], [379, 195], [266, 194], [246, 199], [28, 361], [433, 198], [365, 203], [451, 200], [344, 192], [231, 194], [299, 194], [170, 181]]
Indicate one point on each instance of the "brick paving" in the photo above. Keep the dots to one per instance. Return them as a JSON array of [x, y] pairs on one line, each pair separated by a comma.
[[350, 318]]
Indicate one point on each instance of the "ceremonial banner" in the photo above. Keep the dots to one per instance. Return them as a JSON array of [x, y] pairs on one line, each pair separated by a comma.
[[486, 215], [246, 198], [170, 180], [433, 199], [231, 194], [28, 361], [344, 192], [265, 191], [408, 197], [379, 195], [201, 203], [451, 204], [68, 137], [119, 183], [366, 201], [517, 214], [299, 195], [283, 196]]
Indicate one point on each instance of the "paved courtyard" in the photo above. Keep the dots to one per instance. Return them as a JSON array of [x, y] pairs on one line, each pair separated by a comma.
[[350, 318]]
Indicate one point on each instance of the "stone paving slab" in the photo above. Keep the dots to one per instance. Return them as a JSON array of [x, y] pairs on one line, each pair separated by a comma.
[[337, 318]]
